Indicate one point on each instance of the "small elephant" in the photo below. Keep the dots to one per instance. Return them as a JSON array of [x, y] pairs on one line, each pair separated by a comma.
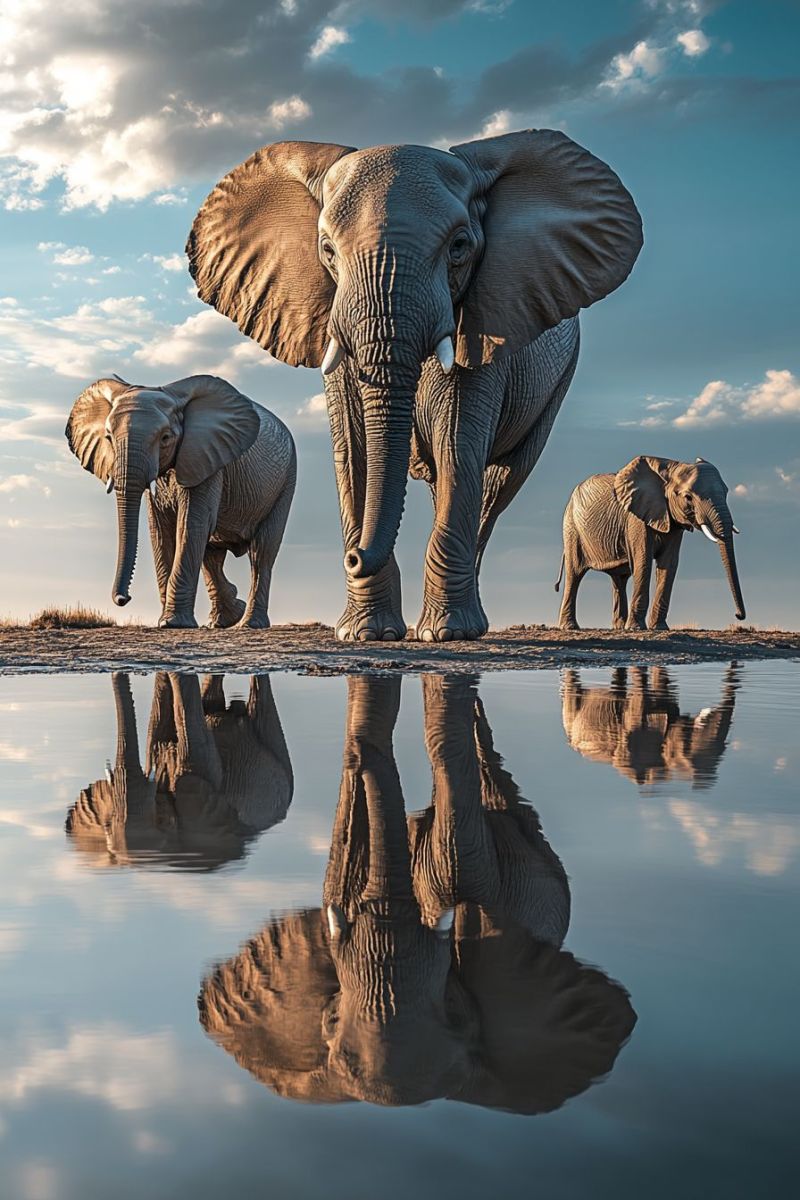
[[221, 472], [623, 523], [216, 775], [435, 967]]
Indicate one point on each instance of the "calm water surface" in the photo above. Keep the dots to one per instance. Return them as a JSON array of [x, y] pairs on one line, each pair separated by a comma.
[[383, 936]]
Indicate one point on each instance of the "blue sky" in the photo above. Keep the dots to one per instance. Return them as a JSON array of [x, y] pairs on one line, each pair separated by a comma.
[[117, 118]]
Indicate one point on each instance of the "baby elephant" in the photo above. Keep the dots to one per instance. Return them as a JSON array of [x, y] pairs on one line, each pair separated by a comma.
[[622, 523], [221, 472]]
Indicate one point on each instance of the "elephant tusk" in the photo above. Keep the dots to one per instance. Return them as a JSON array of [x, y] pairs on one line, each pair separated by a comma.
[[109, 772], [735, 530], [708, 533], [109, 485], [152, 486], [445, 923], [151, 775], [446, 354], [333, 356], [336, 922]]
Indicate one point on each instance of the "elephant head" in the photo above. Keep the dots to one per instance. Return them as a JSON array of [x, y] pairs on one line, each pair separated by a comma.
[[215, 776], [129, 435], [383, 256], [664, 494], [636, 725], [434, 968]]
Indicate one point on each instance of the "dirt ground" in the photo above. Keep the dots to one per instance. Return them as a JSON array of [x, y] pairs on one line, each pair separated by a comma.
[[312, 649]]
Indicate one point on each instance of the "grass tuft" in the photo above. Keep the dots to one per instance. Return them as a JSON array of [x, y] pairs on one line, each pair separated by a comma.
[[77, 617]]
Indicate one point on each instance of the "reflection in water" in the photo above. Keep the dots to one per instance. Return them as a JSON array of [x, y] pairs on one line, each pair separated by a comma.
[[434, 968], [216, 776], [636, 725]]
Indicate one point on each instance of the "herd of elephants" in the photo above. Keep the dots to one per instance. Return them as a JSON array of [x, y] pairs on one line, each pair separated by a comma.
[[439, 293], [435, 965]]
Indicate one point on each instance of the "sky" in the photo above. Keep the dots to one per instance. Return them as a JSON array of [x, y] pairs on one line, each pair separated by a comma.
[[117, 117]]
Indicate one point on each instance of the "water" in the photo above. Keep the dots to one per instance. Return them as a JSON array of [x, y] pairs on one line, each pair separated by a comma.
[[593, 948]]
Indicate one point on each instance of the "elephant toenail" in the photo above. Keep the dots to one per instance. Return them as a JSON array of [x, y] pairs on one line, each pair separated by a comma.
[[427, 635]]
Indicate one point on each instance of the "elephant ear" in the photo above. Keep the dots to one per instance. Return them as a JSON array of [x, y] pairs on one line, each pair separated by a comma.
[[641, 491], [86, 427], [266, 1006], [550, 1025], [219, 425], [253, 249], [561, 232]]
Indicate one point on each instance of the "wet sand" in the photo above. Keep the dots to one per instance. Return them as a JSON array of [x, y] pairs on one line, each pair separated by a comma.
[[312, 649]]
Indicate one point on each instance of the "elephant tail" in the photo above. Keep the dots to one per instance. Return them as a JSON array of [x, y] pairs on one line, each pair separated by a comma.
[[557, 583]]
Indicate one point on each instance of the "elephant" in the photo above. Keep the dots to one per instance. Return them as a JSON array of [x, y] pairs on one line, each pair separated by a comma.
[[216, 776], [637, 726], [220, 471], [623, 523], [434, 967], [439, 293]]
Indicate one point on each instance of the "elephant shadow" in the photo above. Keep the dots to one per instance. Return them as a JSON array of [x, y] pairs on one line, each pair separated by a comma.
[[636, 725], [217, 774], [434, 968]]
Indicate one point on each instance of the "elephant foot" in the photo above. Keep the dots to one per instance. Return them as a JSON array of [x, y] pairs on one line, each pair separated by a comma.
[[636, 626], [370, 624], [177, 620], [254, 620], [464, 622], [658, 625], [568, 626], [226, 615]]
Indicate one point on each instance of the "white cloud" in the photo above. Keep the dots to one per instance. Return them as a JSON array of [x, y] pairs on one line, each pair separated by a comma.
[[167, 262], [171, 198], [693, 42], [294, 108], [640, 64], [15, 483], [67, 256], [497, 123], [722, 403], [314, 413], [205, 342], [768, 844], [329, 38]]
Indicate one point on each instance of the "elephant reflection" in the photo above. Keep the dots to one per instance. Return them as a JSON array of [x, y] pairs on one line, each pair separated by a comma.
[[636, 725], [434, 968], [217, 774]]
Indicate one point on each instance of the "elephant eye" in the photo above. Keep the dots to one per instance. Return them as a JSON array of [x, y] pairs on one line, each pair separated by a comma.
[[165, 437], [460, 248], [327, 251]]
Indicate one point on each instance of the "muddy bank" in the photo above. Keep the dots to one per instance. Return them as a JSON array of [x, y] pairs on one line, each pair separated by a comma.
[[313, 649]]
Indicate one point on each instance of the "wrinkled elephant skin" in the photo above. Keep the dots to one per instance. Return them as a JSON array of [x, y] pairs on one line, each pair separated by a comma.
[[439, 292]]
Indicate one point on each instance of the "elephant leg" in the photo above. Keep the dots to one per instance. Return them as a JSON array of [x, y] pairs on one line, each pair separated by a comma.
[[374, 605], [226, 607], [666, 570], [263, 551], [573, 574], [619, 598], [641, 555], [197, 517], [162, 522], [451, 608]]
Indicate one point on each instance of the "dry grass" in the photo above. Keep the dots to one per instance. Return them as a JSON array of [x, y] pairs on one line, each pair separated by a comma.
[[76, 617]]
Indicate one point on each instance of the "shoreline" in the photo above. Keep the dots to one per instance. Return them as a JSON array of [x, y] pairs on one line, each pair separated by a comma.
[[312, 649]]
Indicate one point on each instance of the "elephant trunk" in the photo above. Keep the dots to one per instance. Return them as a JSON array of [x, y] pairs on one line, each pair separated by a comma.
[[720, 521], [390, 328], [729, 562], [130, 482]]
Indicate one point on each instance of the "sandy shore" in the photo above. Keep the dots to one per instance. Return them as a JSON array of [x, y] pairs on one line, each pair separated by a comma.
[[314, 650]]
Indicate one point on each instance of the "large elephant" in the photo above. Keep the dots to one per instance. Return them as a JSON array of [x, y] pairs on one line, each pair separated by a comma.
[[221, 472], [216, 775], [439, 293], [623, 523], [636, 725], [434, 968]]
